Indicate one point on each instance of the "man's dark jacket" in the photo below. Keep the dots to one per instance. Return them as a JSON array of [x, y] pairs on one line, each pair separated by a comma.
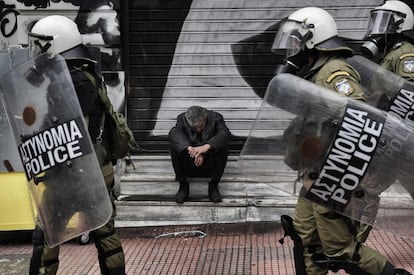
[[215, 133]]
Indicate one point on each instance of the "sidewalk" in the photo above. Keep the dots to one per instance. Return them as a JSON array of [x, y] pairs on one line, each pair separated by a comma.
[[250, 248]]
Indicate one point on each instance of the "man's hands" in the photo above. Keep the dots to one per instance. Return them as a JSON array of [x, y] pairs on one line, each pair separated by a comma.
[[198, 161], [199, 150], [197, 153]]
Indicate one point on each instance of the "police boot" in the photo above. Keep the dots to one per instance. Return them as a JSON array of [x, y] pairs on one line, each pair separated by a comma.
[[38, 241], [401, 271], [183, 192], [334, 264], [213, 192]]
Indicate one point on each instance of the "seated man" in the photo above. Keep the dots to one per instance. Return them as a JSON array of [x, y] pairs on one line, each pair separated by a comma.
[[199, 149]]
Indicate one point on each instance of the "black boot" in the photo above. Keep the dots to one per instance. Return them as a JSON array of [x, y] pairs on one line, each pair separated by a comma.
[[183, 192], [401, 271], [213, 192]]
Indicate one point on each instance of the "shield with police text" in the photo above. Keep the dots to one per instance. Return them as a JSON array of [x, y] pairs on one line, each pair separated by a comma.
[[62, 170], [384, 89], [345, 154], [393, 94]]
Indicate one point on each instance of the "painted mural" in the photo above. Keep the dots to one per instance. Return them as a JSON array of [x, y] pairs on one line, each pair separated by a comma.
[[215, 54], [98, 22], [183, 52]]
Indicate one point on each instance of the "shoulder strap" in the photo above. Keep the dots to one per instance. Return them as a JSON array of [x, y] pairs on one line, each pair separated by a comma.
[[101, 128]]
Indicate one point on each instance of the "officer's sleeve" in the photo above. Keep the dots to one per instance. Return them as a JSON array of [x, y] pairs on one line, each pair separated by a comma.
[[391, 60], [405, 66], [345, 81], [401, 61], [388, 63]]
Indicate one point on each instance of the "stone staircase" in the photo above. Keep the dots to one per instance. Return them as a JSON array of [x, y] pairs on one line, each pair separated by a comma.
[[260, 191], [147, 195]]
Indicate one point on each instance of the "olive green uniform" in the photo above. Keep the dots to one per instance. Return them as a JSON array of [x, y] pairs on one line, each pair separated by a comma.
[[321, 229], [400, 60], [110, 253]]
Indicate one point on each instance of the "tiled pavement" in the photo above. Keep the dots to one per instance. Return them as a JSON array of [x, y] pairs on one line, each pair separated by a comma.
[[250, 248]]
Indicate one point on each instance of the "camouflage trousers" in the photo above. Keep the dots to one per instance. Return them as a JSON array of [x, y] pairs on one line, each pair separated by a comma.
[[325, 231], [110, 253]]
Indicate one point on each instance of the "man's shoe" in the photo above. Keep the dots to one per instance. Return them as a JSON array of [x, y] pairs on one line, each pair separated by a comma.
[[213, 192], [183, 193]]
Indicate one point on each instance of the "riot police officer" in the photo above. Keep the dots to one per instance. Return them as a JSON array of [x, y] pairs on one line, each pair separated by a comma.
[[308, 38], [60, 35], [390, 42], [390, 38]]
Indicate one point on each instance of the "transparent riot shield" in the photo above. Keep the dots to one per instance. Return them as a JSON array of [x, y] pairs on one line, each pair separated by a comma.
[[9, 156], [62, 170], [384, 89], [393, 94], [346, 152]]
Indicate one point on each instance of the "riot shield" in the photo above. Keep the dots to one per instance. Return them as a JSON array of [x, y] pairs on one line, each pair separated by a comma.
[[384, 89], [340, 149], [63, 173], [392, 93], [10, 160]]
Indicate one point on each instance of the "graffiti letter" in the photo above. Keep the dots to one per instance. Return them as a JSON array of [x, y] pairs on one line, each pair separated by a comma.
[[8, 12]]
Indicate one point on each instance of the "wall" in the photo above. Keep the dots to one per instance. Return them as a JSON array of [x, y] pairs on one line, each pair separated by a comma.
[[176, 53], [98, 21], [185, 53]]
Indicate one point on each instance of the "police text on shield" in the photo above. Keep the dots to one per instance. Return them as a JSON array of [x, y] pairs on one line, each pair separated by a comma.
[[348, 158], [51, 147], [402, 105]]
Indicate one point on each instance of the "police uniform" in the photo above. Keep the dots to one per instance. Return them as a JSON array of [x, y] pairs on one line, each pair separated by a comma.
[[321, 229], [110, 253], [400, 60]]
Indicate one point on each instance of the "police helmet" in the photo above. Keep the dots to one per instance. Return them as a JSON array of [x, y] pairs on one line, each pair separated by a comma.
[[392, 17], [387, 23], [54, 34], [308, 28]]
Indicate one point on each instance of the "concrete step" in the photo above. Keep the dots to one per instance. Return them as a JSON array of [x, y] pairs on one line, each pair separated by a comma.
[[201, 211], [148, 188], [147, 194]]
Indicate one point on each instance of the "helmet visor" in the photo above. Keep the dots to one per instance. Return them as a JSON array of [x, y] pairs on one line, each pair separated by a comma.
[[288, 39], [39, 44], [381, 22]]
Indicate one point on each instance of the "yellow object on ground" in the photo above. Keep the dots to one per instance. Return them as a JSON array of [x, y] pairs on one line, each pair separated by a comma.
[[15, 204]]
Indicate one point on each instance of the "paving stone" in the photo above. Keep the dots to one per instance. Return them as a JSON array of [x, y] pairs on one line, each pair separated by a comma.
[[244, 248]]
